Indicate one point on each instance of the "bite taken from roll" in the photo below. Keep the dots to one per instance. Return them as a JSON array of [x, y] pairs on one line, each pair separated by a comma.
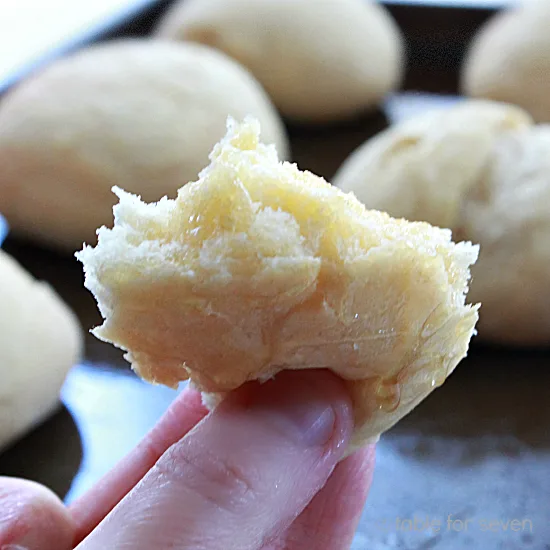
[[258, 267]]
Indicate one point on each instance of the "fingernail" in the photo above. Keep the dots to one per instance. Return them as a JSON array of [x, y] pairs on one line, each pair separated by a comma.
[[310, 423], [310, 408]]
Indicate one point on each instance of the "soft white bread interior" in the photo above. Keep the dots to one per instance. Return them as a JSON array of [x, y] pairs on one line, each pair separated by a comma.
[[258, 267]]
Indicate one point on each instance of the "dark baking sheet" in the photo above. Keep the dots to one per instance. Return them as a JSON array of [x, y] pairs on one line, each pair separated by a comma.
[[479, 447]]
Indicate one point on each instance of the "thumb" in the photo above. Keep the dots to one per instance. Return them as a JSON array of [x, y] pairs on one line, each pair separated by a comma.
[[243, 474], [32, 517]]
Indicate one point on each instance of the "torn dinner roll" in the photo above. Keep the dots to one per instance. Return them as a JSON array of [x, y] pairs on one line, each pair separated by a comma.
[[258, 267]]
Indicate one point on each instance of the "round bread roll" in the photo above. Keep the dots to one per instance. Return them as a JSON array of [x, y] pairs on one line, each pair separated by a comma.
[[508, 212], [509, 59], [421, 168], [483, 170], [143, 114], [319, 61], [258, 267], [40, 340]]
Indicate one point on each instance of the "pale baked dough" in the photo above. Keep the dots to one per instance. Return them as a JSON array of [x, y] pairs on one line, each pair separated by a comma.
[[142, 114], [482, 169], [508, 212], [421, 168], [319, 61], [509, 59], [40, 340], [258, 267]]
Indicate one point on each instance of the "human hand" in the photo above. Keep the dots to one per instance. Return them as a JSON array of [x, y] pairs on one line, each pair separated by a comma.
[[259, 472]]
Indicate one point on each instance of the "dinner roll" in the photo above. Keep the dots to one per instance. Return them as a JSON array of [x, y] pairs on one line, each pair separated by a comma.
[[142, 114], [40, 339], [509, 59], [508, 212], [421, 168], [258, 267], [483, 170], [319, 61]]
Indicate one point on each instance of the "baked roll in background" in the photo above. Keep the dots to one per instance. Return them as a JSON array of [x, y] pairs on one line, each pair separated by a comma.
[[40, 340], [141, 113], [482, 169], [319, 61]]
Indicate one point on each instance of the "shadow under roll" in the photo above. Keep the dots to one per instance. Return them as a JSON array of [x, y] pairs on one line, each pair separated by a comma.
[[50, 454]]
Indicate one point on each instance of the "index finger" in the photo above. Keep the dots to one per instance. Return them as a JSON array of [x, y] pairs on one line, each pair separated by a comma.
[[90, 509]]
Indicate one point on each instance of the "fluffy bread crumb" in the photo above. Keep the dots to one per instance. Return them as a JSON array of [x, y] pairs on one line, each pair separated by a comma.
[[258, 267]]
